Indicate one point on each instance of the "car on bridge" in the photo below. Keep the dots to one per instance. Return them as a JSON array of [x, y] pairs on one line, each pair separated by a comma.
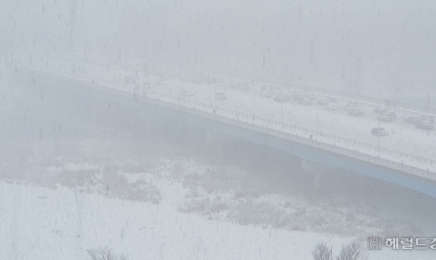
[[331, 106], [379, 131], [220, 96], [333, 100], [119, 78], [266, 91], [312, 96], [297, 95], [305, 101], [351, 105], [431, 119], [392, 114], [380, 110], [78, 69], [385, 118], [356, 111], [186, 93], [412, 120], [425, 125], [145, 89], [240, 85], [129, 80], [282, 98], [267, 94], [322, 102]]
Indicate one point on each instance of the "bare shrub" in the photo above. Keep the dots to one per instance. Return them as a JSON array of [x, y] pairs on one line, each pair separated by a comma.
[[218, 206], [352, 251], [322, 252], [298, 227], [104, 253]]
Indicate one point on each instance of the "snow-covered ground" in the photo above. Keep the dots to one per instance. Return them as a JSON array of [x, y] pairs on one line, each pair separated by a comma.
[[178, 209]]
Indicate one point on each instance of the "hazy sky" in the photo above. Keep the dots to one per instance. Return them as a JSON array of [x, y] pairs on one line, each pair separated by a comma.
[[347, 43]]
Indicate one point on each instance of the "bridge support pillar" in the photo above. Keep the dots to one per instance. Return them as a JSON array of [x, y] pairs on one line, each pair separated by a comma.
[[219, 145], [316, 172], [317, 180]]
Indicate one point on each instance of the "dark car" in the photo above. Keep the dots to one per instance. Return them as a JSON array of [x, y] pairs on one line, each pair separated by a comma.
[[282, 98], [351, 105], [322, 102], [267, 94], [385, 118], [427, 118], [333, 100], [425, 125], [266, 91], [220, 96], [312, 96], [331, 106], [305, 101], [412, 120], [130, 80], [297, 95], [392, 114], [380, 110], [379, 131], [356, 111]]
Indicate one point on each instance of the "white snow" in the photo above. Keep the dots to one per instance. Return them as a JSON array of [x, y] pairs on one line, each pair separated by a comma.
[[63, 222]]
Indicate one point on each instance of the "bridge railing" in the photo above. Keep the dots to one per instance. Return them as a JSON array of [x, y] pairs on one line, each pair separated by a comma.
[[302, 135], [291, 132]]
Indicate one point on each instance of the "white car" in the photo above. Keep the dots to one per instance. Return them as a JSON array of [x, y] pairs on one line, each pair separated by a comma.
[[379, 131], [129, 80], [186, 93], [331, 106], [145, 89], [119, 78], [220, 96]]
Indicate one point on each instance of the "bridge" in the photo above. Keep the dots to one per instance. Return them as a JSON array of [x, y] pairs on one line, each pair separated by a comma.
[[266, 123]]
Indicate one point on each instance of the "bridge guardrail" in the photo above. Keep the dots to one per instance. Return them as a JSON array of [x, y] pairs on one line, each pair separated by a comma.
[[334, 148], [396, 104], [309, 131], [285, 131], [363, 156]]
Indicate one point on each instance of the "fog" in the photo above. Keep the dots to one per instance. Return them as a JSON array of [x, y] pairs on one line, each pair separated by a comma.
[[347, 45], [232, 129]]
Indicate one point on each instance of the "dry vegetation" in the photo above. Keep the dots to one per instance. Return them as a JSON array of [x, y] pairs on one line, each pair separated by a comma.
[[126, 170]]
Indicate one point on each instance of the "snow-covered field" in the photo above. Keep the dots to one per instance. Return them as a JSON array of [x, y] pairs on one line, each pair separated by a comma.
[[100, 194], [177, 210]]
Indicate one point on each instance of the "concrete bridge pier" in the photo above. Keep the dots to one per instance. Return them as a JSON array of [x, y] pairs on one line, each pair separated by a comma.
[[317, 172], [220, 145]]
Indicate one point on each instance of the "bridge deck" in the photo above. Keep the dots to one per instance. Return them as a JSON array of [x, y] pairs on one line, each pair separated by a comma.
[[407, 149]]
